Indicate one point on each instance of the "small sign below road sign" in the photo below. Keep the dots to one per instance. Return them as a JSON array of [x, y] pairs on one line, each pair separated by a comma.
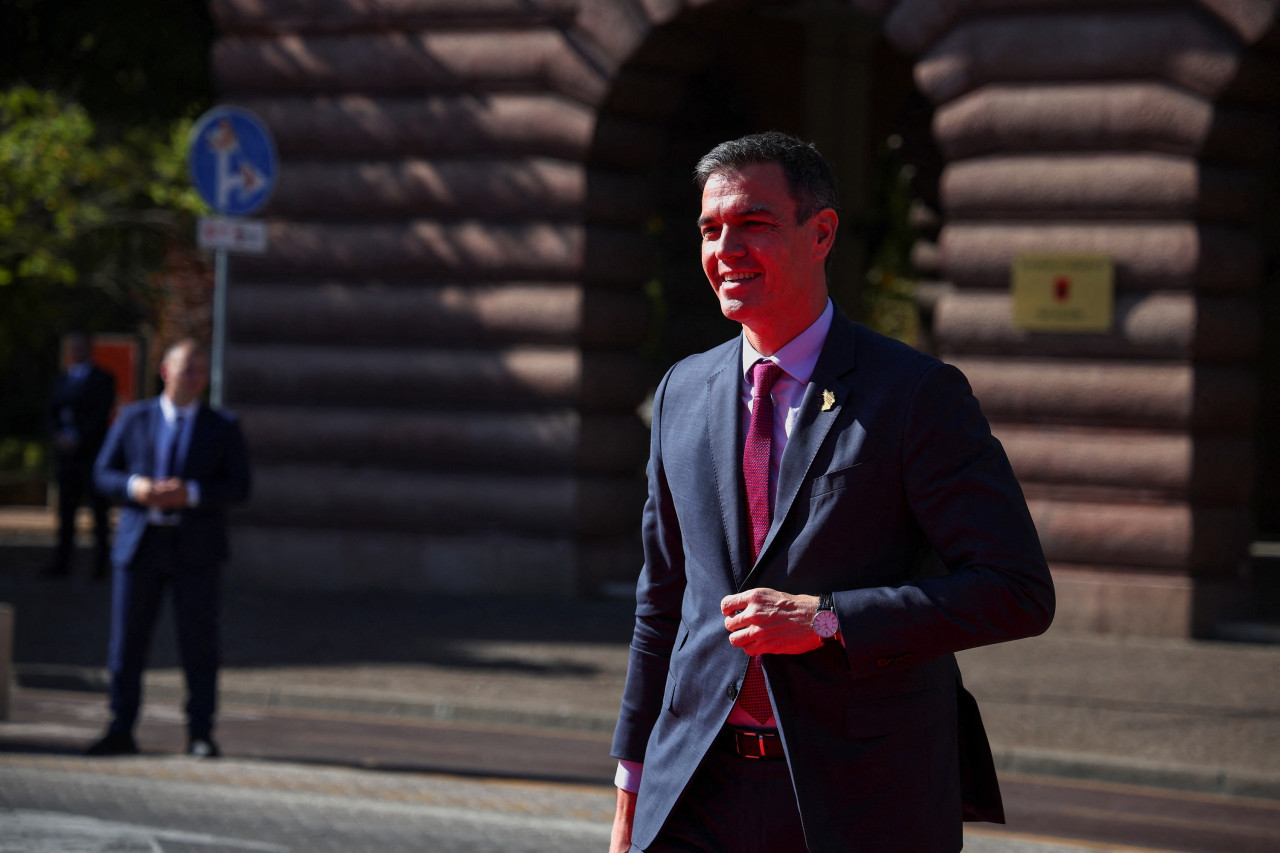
[[234, 235]]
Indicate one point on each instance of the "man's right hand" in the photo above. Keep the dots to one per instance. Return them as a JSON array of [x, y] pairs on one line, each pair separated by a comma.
[[167, 494], [620, 841]]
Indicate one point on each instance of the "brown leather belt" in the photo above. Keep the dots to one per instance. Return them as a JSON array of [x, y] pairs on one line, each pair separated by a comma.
[[751, 743]]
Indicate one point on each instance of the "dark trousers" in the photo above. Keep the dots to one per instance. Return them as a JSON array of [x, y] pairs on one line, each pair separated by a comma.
[[734, 805], [75, 485], [138, 590]]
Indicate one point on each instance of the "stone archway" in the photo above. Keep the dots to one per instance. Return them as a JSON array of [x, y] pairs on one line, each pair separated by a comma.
[[437, 361]]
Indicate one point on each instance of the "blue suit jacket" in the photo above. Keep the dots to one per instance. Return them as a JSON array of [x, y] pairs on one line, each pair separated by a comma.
[[216, 459], [897, 499]]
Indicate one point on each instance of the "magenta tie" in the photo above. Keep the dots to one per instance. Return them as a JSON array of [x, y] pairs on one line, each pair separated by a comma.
[[754, 698]]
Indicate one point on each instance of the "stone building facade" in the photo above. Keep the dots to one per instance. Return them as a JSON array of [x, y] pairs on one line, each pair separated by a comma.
[[440, 360]]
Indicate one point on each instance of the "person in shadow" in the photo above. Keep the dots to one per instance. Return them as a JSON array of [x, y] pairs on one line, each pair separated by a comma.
[[77, 416]]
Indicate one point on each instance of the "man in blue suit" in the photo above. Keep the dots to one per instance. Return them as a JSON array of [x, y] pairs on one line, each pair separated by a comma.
[[176, 465], [828, 520]]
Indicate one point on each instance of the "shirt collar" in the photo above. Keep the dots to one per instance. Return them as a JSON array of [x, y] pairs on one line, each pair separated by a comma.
[[171, 411], [800, 355]]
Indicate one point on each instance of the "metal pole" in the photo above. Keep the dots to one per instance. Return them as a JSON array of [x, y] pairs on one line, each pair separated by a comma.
[[219, 325]]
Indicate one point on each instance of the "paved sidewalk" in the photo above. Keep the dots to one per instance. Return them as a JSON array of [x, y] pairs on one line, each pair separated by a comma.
[[1190, 715]]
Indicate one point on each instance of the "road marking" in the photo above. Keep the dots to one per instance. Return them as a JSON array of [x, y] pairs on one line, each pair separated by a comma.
[[24, 831]]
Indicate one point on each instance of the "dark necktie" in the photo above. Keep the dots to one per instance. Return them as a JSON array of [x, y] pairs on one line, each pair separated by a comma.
[[755, 471], [169, 461]]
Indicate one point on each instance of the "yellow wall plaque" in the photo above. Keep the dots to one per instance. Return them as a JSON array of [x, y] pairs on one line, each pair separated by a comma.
[[1063, 292]]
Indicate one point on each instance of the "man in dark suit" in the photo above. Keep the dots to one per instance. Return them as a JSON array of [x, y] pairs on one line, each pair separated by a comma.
[[176, 465], [823, 530], [78, 415]]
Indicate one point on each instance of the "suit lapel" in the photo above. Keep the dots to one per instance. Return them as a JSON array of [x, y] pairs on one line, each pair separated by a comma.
[[828, 392], [155, 417], [198, 430], [724, 422]]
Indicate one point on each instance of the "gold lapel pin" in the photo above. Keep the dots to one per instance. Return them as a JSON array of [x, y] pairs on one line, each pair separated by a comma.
[[828, 401]]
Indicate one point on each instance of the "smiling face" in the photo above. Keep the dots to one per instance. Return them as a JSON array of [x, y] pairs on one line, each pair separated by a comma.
[[766, 268]]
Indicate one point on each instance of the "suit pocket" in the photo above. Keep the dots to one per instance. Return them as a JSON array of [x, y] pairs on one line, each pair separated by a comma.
[[895, 714], [836, 481]]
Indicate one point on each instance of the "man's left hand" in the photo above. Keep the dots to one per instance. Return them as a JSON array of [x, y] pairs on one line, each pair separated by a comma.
[[768, 622]]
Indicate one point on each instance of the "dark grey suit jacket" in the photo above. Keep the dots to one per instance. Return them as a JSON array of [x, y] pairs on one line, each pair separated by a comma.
[[897, 499]]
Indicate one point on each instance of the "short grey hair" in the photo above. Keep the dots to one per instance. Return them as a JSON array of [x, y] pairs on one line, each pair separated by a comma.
[[809, 179]]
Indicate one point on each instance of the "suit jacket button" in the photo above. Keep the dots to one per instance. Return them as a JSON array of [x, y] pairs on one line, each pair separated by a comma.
[[731, 692]]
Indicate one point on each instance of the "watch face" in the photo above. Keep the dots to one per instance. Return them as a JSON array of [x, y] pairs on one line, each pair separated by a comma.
[[825, 624]]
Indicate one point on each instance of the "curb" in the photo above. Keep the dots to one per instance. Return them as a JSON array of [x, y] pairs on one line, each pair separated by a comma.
[[1150, 774], [83, 679], [1028, 761]]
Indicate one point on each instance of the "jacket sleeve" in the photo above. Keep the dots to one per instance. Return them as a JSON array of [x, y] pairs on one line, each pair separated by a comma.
[[111, 468], [963, 495], [659, 592]]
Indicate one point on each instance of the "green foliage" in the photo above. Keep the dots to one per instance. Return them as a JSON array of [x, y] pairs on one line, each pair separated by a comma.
[[23, 456], [889, 288], [75, 208], [96, 101]]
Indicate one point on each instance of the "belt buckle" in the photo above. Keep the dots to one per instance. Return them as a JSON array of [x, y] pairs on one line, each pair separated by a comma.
[[744, 740]]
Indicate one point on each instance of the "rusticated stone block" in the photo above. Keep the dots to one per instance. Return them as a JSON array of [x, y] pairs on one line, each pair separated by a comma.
[[1250, 19], [1125, 116], [914, 25], [469, 250], [1165, 44], [617, 26], [426, 501], [515, 442], [405, 63], [441, 503], [1147, 256], [450, 189], [538, 251], [1099, 187], [1116, 394], [1202, 542], [535, 188], [427, 379], [357, 126], [1142, 465], [403, 378], [1173, 326], [661, 11], [525, 442], [456, 564], [1110, 600], [388, 314], [273, 16]]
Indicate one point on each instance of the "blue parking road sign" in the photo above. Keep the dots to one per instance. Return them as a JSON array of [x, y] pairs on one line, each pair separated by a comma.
[[232, 160]]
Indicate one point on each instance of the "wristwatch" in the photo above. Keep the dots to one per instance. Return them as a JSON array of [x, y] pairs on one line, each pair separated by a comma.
[[825, 623]]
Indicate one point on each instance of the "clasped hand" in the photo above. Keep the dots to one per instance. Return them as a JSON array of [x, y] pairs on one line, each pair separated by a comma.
[[766, 621], [167, 494]]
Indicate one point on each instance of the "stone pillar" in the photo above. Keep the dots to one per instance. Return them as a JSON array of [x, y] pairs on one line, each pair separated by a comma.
[[435, 362], [1140, 133]]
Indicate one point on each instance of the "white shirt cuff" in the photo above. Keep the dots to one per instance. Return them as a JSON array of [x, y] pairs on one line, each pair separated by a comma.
[[628, 776]]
